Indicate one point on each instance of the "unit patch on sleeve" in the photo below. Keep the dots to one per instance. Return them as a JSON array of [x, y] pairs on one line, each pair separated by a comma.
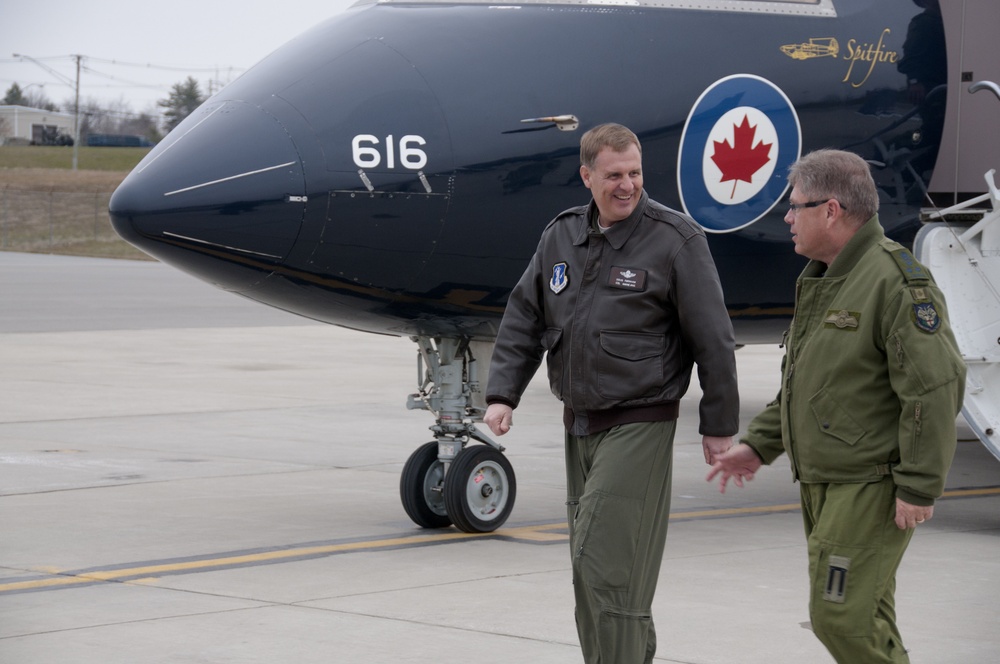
[[627, 278], [925, 315], [559, 279]]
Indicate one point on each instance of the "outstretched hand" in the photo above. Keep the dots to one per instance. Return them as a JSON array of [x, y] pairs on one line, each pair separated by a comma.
[[740, 464]]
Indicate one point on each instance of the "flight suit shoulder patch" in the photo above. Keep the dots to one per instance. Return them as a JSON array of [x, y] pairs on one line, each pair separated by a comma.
[[925, 315]]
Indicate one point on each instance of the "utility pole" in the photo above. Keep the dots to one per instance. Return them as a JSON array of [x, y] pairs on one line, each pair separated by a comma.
[[76, 86], [76, 114]]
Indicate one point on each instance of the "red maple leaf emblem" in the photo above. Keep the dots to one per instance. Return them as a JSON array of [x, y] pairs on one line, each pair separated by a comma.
[[742, 159]]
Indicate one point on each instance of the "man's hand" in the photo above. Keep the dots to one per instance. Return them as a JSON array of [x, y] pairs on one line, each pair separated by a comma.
[[739, 463], [714, 446], [498, 418], [908, 516]]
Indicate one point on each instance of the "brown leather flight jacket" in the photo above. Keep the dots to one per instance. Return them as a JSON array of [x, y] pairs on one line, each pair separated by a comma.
[[622, 315]]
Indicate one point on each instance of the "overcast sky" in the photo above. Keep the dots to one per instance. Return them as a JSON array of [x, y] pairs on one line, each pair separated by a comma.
[[193, 37]]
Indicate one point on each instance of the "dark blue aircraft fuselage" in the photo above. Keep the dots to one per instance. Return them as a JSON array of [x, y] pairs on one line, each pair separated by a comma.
[[375, 173]]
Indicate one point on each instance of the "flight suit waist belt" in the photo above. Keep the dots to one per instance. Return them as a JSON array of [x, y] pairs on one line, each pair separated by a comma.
[[602, 420]]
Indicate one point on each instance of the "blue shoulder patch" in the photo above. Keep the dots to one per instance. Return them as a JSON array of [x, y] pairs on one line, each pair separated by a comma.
[[925, 315], [926, 318]]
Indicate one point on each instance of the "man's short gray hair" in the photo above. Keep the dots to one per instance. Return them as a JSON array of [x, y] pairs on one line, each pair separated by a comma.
[[837, 174]]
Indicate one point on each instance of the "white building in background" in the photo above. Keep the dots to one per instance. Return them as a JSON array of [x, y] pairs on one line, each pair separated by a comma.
[[20, 124]]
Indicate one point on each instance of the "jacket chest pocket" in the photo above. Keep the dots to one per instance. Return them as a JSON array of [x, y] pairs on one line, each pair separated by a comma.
[[630, 364], [553, 359], [833, 419]]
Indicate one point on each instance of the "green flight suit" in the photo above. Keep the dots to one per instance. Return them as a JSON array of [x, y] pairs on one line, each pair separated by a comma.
[[872, 381], [618, 506]]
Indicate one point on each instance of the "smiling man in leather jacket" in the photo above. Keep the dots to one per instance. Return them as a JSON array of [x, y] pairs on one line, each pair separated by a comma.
[[624, 297]]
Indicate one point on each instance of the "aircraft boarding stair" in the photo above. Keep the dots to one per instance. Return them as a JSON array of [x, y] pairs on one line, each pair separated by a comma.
[[965, 262]]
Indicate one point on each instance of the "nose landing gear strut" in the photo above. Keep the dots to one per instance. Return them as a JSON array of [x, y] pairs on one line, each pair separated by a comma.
[[448, 481]]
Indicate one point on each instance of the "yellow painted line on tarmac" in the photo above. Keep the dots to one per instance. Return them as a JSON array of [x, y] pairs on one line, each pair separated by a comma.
[[202, 564], [735, 511], [537, 533], [965, 493]]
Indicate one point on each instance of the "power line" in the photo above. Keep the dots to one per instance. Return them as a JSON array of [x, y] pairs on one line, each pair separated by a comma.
[[82, 64], [125, 82], [168, 67], [229, 70]]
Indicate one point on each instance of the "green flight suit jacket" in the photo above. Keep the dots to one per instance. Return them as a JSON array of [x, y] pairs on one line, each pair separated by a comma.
[[872, 378]]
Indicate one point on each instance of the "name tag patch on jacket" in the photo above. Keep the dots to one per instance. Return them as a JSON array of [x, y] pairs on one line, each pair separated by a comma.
[[842, 319], [559, 279], [627, 278]]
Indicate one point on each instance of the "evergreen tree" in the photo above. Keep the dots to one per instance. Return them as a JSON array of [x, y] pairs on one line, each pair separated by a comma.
[[184, 99], [15, 96]]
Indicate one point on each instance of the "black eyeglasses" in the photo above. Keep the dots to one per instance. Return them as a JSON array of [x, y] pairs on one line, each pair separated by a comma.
[[811, 204]]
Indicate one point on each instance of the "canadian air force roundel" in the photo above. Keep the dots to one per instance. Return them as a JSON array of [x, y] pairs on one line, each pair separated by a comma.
[[740, 138]]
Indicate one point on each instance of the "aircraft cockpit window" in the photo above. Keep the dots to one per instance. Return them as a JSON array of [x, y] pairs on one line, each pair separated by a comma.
[[795, 7]]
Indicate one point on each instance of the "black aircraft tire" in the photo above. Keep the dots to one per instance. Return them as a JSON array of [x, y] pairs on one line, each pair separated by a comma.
[[421, 474], [479, 489]]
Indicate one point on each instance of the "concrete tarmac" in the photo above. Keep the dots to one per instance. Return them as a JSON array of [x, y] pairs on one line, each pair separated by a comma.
[[188, 477]]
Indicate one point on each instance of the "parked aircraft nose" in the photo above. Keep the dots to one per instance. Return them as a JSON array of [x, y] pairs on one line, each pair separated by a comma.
[[226, 183]]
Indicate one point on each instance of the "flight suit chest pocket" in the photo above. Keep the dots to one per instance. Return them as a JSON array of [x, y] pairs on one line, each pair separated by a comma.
[[630, 364]]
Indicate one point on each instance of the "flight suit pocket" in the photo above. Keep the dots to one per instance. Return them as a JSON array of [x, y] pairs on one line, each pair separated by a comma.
[[605, 536], [553, 360], [834, 420], [626, 636], [844, 585], [631, 364], [925, 363]]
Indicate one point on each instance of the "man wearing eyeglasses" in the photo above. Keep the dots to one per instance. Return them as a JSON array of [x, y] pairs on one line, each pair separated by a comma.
[[872, 381]]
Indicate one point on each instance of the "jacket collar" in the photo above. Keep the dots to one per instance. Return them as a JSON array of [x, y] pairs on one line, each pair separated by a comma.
[[869, 235], [619, 233]]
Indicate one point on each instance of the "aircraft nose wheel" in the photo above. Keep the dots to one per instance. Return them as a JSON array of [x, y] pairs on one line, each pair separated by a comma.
[[421, 488], [479, 489]]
